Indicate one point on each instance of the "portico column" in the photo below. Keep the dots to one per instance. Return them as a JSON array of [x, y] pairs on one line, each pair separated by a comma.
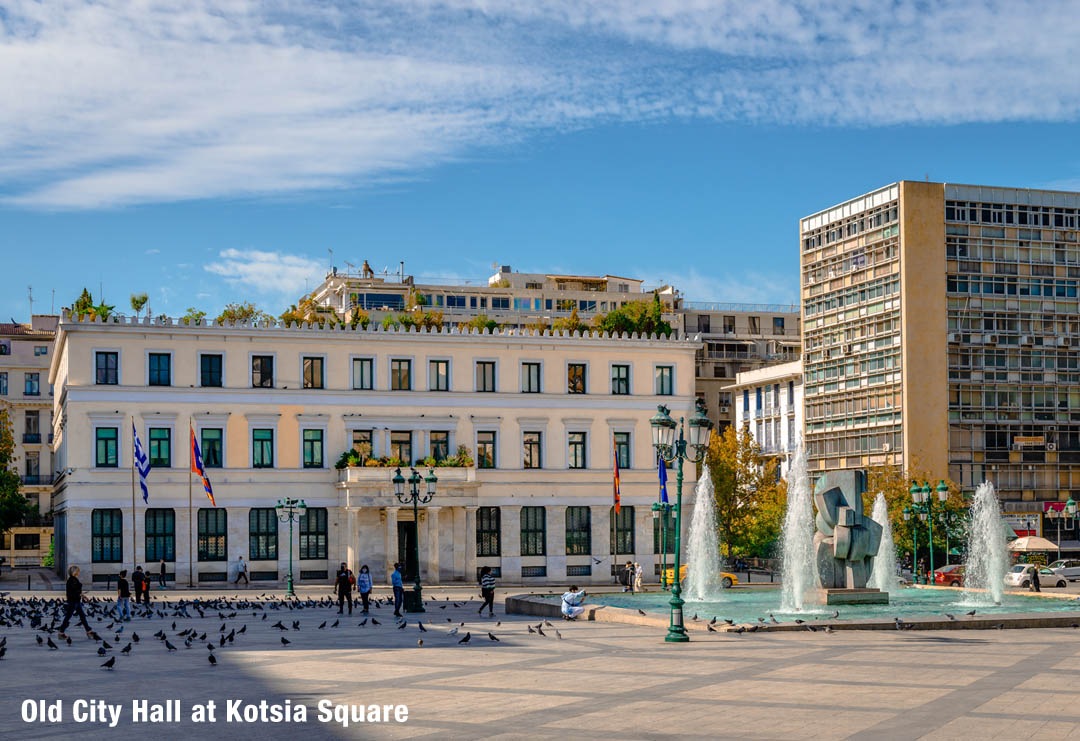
[[433, 544], [470, 544], [510, 545], [556, 543], [601, 543], [390, 543]]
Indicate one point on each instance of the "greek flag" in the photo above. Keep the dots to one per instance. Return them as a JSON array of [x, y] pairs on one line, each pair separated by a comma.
[[142, 463]]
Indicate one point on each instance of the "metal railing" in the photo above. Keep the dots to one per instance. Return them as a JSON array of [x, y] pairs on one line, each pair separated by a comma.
[[42, 479], [735, 306], [31, 437]]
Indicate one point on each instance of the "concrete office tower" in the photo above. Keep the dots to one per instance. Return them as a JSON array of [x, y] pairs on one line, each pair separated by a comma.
[[940, 330]]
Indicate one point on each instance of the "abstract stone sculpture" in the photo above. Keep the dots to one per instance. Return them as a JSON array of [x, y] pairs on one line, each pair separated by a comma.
[[846, 540]]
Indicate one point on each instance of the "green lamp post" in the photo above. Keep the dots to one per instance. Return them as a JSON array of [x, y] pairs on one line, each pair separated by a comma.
[[414, 600], [923, 506], [692, 450], [290, 510]]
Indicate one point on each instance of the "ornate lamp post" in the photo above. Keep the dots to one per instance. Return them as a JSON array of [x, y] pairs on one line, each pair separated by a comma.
[[662, 511], [290, 510], [923, 505], [414, 601], [670, 449]]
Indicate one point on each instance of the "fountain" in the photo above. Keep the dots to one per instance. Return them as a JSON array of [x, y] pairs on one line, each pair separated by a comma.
[[703, 549], [799, 566], [987, 554], [884, 575]]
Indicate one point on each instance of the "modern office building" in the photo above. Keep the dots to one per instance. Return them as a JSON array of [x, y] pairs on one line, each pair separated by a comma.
[[276, 409], [941, 330], [25, 353], [769, 403]]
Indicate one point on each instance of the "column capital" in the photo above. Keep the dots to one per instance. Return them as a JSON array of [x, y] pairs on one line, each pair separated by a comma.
[[472, 508], [434, 508]]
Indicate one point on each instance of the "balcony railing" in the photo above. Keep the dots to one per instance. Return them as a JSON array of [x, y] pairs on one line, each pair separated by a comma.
[[31, 437], [40, 479]]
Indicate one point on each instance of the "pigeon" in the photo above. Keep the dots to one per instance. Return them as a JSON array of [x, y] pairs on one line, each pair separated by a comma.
[[949, 616], [285, 641], [374, 621], [899, 624], [453, 631], [811, 628], [52, 645], [420, 643], [695, 617], [323, 625], [212, 659], [362, 624], [530, 628], [466, 638], [492, 637], [169, 646], [296, 625], [402, 625], [110, 663], [713, 621], [548, 624], [135, 637], [3, 650], [640, 611], [741, 629], [836, 614], [558, 635], [540, 631], [711, 629], [421, 626], [777, 622], [100, 651], [729, 622], [39, 641], [335, 624], [1001, 626], [799, 622], [829, 629], [104, 644], [970, 613]]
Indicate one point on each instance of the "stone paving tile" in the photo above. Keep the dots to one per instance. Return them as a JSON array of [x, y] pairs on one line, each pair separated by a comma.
[[862, 697], [1054, 681], [876, 675], [1049, 704], [934, 657], [549, 680], [642, 665], [969, 727]]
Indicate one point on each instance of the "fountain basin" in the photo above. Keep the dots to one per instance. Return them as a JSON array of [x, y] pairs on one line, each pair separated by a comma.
[[868, 596]]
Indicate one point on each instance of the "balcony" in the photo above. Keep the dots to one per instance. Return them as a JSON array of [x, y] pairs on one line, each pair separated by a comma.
[[31, 438], [37, 479]]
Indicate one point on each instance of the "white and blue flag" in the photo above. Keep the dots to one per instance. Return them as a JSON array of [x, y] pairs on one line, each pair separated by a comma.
[[142, 463]]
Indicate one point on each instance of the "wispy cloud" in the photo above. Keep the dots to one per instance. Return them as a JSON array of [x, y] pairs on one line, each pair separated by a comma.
[[268, 273], [110, 102], [153, 251]]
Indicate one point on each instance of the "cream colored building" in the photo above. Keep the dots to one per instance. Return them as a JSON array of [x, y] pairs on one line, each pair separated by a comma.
[[769, 403], [25, 353], [275, 407]]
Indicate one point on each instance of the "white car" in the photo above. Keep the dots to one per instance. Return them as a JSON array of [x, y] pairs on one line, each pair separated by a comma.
[[1067, 568], [1020, 576]]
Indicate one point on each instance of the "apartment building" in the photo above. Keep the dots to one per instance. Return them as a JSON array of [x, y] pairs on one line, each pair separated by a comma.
[[737, 338], [769, 403], [941, 330], [276, 410], [512, 299], [25, 353]]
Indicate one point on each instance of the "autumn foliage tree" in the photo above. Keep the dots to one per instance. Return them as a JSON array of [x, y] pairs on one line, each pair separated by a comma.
[[13, 505]]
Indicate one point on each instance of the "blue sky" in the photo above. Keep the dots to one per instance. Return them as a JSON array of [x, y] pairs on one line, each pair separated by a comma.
[[216, 153]]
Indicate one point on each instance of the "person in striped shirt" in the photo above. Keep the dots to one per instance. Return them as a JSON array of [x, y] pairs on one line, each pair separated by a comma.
[[487, 591]]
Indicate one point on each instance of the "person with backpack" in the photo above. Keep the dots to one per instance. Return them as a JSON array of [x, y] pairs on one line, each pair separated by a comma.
[[363, 586], [343, 587]]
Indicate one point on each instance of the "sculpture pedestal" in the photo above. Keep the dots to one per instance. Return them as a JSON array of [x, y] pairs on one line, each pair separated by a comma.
[[856, 597]]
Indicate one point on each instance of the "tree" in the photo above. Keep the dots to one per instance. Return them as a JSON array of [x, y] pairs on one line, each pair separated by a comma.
[[138, 301], [360, 318], [101, 310], [570, 323], [644, 317], [749, 497], [83, 303], [243, 312], [481, 322], [193, 316], [13, 505]]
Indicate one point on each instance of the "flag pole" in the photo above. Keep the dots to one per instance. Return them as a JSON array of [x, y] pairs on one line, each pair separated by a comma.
[[134, 558], [191, 534]]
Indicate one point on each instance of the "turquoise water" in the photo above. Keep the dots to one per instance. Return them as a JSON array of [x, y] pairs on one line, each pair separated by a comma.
[[747, 605]]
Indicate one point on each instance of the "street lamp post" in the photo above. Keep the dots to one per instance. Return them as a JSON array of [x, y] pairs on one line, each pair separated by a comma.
[[290, 510], [414, 602], [923, 505], [670, 449], [662, 511]]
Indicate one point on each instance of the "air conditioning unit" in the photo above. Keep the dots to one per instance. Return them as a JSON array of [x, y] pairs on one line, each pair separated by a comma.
[[725, 410], [1051, 447], [1062, 341], [1050, 427], [954, 337], [1027, 340], [886, 447], [990, 339], [845, 350]]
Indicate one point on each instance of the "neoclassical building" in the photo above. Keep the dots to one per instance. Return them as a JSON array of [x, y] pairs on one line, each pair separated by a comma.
[[274, 409]]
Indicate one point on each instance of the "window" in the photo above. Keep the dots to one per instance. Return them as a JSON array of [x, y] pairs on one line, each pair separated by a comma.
[[668, 546], [32, 425], [578, 531], [3, 384], [262, 371], [33, 467], [363, 374], [41, 350], [32, 384], [401, 447], [27, 541], [262, 534], [160, 527], [791, 394], [212, 532], [262, 448], [211, 447], [485, 375], [665, 380], [401, 375], [313, 533], [620, 379], [160, 447], [729, 325], [105, 442], [531, 457], [210, 371], [533, 531], [704, 323], [778, 325], [106, 531], [106, 368], [485, 449], [160, 369], [313, 448], [575, 378], [440, 444], [487, 531], [361, 442], [313, 373], [530, 378], [622, 531], [755, 324], [746, 401], [577, 450], [438, 375], [622, 449]]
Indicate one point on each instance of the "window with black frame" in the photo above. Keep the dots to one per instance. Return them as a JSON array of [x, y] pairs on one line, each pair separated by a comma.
[[211, 446], [622, 531], [439, 441], [532, 453], [533, 531], [160, 529], [313, 533], [262, 371], [213, 532], [106, 536], [576, 453], [107, 368], [485, 375], [313, 448], [668, 536], [575, 378], [578, 531], [622, 449], [485, 449], [262, 534], [210, 371], [487, 531], [620, 380], [160, 369]]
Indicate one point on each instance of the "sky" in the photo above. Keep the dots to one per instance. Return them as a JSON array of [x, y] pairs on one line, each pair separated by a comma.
[[209, 152]]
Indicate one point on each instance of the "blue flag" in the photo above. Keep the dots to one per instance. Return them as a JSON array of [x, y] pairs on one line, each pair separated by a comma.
[[142, 463], [663, 479]]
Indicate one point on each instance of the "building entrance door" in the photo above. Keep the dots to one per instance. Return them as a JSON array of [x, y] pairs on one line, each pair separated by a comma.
[[406, 538]]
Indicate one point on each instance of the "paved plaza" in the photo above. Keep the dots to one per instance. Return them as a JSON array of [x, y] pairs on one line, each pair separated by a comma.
[[599, 680]]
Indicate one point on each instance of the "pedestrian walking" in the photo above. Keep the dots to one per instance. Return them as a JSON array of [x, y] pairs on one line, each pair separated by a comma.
[[1035, 586], [399, 589], [487, 591], [241, 572], [638, 576], [74, 603], [363, 585], [161, 573], [343, 587], [142, 586], [123, 597], [628, 577]]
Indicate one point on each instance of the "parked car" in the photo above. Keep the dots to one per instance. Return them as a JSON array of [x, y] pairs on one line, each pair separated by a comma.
[[950, 576], [726, 580], [1020, 576], [1067, 568]]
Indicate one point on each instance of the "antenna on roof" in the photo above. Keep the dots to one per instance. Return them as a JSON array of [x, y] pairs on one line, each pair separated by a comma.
[[30, 295], [349, 266]]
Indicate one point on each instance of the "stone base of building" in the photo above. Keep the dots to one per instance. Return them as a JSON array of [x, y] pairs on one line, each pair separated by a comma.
[[856, 597]]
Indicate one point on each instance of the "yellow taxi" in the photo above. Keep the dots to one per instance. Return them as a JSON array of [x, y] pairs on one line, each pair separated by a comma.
[[726, 579]]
